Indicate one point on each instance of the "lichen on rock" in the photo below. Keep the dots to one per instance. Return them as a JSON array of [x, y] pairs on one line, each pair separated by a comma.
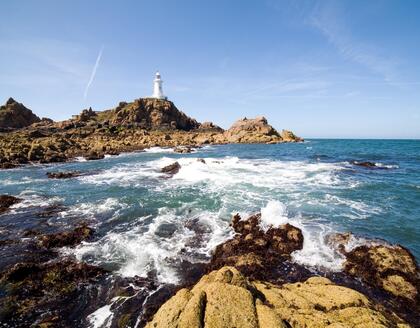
[[225, 298]]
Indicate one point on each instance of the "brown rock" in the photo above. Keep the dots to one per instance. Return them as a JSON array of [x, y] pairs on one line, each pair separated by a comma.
[[171, 168], [392, 268], [15, 115], [289, 136], [63, 175], [254, 251], [153, 113], [252, 131], [6, 201], [225, 298], [67, 238]]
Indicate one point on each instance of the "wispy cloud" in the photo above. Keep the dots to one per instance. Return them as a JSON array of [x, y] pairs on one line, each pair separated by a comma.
[[328, 18], [92, 75]]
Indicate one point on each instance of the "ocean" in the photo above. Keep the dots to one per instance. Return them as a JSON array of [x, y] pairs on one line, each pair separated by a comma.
[[143, 217]]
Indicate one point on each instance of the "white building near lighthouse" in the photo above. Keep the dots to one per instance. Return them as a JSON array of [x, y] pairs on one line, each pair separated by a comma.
[[157, 87]]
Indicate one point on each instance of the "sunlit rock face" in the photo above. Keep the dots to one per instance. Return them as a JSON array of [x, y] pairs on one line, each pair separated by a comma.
[[15, 115]]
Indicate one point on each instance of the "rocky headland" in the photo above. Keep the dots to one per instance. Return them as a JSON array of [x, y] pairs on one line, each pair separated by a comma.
[[133, 126]]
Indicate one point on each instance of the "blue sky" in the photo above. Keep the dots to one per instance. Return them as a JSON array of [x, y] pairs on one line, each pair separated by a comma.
[[320, 68]]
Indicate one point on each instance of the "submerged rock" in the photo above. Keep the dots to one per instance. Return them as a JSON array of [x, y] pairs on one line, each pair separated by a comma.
[[6, 201], [225, 298], [63, 175], [183, 149], [67, 238], [370, 165], [171, 168]]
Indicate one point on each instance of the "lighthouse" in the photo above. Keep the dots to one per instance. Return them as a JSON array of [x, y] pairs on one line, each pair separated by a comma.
[[157, 87]]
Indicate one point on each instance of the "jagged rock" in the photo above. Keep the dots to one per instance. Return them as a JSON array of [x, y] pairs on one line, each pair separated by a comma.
[[15, 115], [86, 115], [256, 252], [256, 130], [289, 136], [6, 201], [210, 127], [66, 238], [225, 298], [392, 268], [171, 168], [129, 127], [63, 175], [152, 113]]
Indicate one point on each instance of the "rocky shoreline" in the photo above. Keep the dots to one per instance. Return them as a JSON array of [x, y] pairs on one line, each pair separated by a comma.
[[134, 126], [250, 281]]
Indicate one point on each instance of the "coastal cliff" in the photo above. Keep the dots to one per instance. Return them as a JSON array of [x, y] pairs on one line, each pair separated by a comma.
[[133, 126]]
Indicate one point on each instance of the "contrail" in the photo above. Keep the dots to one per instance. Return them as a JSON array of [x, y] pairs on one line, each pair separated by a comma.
[[92, 76]]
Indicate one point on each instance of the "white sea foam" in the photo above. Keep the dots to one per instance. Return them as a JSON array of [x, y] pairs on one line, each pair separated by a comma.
[[109, 206], [159, 150], [315, 251], [141, 250], [31, 198], [273, 215], [101, 318], [238, 185]]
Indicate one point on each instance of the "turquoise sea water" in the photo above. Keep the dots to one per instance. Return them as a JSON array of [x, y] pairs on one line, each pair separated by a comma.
[[144, 218]]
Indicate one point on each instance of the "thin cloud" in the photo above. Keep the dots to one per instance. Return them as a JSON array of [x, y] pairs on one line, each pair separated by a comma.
[[328, 19], [95, 68]]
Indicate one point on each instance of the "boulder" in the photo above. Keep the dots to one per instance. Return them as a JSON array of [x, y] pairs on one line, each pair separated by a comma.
[[389, 267], [171, 168], [6, 201], [15, 115], [225, 298], [289, 136], [255, 252]]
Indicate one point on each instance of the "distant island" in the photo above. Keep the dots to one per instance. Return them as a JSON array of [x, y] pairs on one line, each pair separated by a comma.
[[130, 126]]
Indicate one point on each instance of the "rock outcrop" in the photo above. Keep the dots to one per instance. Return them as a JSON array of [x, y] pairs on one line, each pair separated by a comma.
[[152, 113], [14, 115], [225, 298], [257, 130], [391, 268], [255, 252], [129, 127]]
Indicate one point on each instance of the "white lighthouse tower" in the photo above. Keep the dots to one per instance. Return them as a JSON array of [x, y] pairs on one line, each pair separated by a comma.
[[157, 87]]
